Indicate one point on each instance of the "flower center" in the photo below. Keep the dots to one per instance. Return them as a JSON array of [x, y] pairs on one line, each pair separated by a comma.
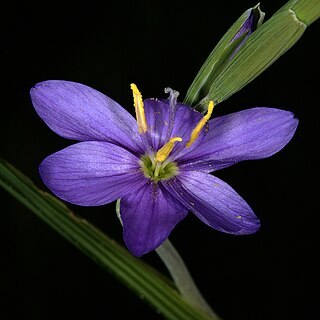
[[156, 166], [156, 170]]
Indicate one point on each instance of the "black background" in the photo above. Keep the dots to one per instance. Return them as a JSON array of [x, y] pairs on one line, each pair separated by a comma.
[[269, 275]]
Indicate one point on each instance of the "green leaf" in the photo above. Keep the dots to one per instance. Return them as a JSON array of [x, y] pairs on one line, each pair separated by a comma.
[[264, 46], [134, 273]]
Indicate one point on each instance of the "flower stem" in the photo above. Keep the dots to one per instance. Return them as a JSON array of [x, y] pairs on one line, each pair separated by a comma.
[[306, 11], [182, 278]]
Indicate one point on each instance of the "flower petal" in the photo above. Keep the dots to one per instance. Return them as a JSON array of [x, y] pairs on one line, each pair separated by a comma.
[[246, 135], [214, 202], [148, 217], [78, 112], [158, 120], [92, 173], [157, 117], [185, 121]]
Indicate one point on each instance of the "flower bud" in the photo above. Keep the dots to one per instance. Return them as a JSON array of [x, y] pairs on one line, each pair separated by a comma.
[[223, 54]]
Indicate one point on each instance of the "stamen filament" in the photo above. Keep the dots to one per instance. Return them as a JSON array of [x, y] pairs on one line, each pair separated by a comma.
[[196, 131], [139, 107], [164, 152]]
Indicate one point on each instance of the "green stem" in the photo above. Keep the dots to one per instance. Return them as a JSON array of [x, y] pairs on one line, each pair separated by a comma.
[[306, 11], [182, 278]]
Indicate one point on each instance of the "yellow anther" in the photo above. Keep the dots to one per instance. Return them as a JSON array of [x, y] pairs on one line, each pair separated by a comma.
[[139, 107], [196, 131], [164, 152]]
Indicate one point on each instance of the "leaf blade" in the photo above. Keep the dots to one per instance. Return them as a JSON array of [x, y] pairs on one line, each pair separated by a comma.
[[134, 273]]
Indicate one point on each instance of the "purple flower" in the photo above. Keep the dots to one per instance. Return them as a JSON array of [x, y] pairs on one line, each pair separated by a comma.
[[160, 167]]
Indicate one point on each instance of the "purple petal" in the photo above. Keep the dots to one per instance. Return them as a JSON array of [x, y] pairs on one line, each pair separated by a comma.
[[148, 217], [214, 202], [244, 32], [78, 112], [92, 173], [254, 19], [247, 27], [185, 121], [246, 135], [158, 120], [157, 116]]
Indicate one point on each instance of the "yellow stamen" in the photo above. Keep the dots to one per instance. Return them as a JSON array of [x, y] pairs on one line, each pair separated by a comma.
[[196, 131], [139, 107], [164, 152]]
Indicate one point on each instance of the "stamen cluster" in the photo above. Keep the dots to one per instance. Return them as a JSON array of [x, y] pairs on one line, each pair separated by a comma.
[[156, 170]]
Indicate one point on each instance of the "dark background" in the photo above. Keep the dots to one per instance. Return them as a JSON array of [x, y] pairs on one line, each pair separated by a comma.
[[269, 275]]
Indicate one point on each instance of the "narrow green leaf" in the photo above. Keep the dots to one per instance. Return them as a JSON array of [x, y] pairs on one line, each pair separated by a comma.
[[134, 273]]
